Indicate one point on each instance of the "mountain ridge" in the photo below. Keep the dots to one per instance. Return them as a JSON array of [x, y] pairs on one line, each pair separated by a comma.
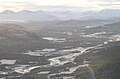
[[41, 15]]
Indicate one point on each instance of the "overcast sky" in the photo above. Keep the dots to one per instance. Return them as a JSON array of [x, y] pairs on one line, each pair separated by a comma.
[[79, 5]]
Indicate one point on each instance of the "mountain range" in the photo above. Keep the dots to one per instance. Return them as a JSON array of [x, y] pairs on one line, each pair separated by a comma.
[[26, 15]]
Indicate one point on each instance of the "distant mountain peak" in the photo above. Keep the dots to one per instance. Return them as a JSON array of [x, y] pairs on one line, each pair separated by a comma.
[[25, 11], [7, 11], [110, 10]]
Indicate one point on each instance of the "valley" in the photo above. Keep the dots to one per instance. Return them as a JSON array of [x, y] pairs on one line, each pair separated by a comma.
[[60, 50]]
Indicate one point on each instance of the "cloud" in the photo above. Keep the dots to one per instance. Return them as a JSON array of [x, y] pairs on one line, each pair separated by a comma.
[[58, 4], [109, 4], [105, 0]]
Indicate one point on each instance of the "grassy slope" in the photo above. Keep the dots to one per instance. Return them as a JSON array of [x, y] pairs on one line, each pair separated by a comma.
[[15, 38], [105, 63]]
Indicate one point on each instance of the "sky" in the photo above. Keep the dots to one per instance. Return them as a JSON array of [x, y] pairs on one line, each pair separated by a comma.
[[50, 5]]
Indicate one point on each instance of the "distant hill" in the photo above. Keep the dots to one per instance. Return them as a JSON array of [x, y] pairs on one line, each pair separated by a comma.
[[15, 38], [104, 14]]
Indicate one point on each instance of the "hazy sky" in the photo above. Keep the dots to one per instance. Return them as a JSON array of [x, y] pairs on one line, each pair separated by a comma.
[[17, 5]]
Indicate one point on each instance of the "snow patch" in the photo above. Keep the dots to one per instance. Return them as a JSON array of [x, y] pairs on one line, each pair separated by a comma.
[[7, 62]]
